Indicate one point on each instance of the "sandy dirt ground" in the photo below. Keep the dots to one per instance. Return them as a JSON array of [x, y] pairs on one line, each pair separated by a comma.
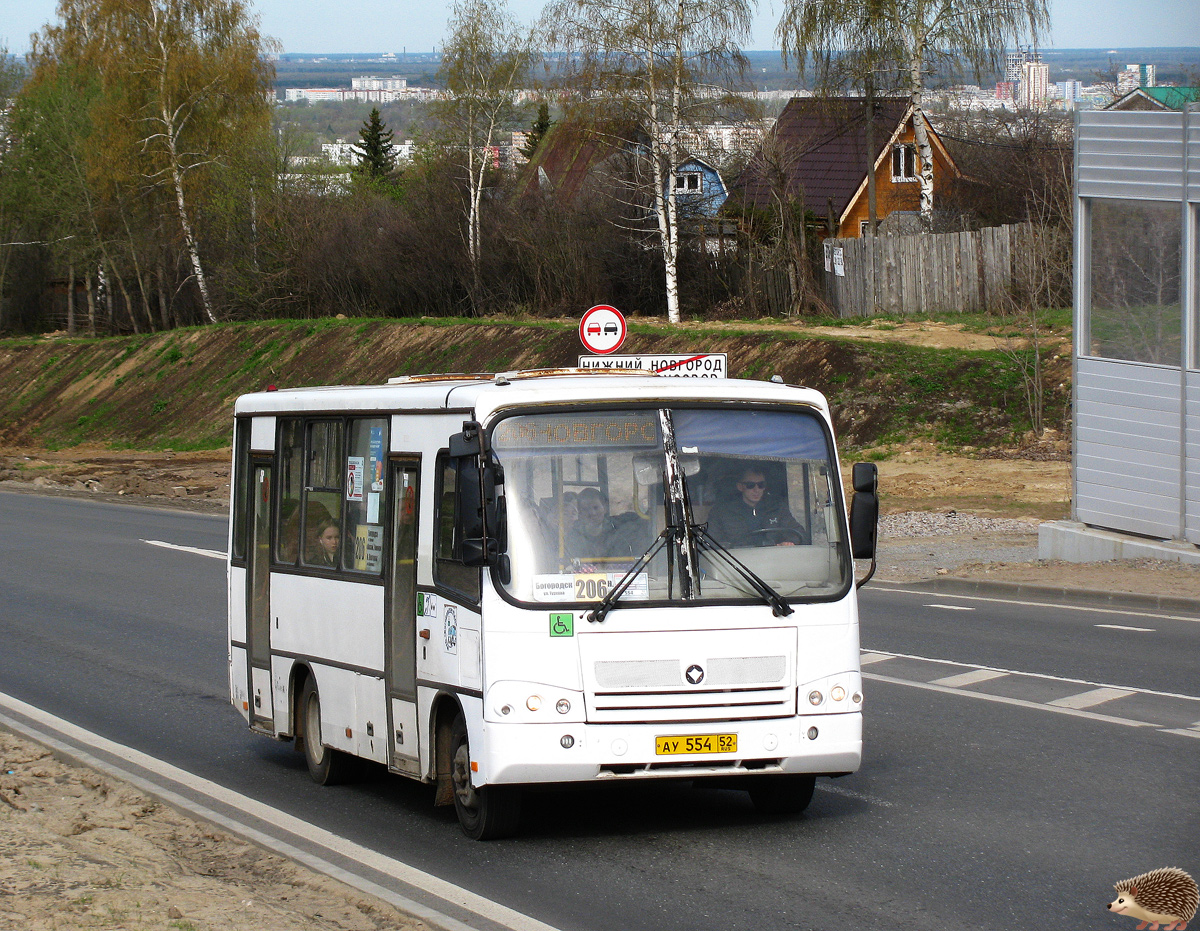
[[81, 851]]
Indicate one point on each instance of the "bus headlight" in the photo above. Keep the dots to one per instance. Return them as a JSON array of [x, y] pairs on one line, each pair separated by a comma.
[[815, 697], [563, 706], [837, 693], [533, 702]]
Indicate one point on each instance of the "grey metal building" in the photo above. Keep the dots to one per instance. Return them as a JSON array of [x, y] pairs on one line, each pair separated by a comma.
[[1137, 338]]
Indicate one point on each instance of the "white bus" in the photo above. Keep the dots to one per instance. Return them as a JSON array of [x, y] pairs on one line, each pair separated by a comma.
[[491, 581]]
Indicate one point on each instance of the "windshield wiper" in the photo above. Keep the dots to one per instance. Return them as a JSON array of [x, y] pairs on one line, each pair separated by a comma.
[[779, 607], [609, 601]]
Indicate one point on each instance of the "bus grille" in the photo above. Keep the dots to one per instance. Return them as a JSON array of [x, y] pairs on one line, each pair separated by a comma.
[[734, 688]]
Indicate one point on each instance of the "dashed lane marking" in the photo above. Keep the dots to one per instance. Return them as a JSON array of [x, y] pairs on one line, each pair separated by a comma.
[[1090, 698], [970, 678], [1124, 612], [1076, 705], [951, 607], [212, 554], [1145, 630]]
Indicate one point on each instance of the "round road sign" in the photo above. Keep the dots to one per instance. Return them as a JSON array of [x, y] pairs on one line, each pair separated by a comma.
[[602, 329]]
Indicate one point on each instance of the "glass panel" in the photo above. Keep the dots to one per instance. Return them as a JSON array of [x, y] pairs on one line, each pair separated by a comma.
[[585, 498], [291, 484], [1135, 261], [365, 495], [322, 526], [764, 482], [241, 479], [448, 569], [259, 576], [402, 630]]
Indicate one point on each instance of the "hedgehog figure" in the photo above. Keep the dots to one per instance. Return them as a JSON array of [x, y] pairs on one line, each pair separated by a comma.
[[1166, 896]]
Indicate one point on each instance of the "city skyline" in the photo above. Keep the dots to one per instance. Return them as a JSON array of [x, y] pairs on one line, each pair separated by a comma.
[[305, 26]]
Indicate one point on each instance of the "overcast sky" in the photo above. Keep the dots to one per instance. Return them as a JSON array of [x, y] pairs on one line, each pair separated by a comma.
[[392, 26]]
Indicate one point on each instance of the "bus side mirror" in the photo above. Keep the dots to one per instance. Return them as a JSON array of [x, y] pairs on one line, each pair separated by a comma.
[[482, 529], [864, 510]]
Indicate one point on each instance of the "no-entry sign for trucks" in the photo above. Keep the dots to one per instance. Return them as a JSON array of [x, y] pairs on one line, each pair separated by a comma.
[[602, 329]]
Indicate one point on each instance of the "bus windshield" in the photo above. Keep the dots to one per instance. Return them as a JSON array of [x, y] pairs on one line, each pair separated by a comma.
[[590, 493]]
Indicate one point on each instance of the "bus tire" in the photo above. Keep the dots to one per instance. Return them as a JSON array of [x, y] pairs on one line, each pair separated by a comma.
[[484, 813], [781, 795], [327, 766]]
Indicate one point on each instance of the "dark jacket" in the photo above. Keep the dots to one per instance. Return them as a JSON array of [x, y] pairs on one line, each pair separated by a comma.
[[735, 523]]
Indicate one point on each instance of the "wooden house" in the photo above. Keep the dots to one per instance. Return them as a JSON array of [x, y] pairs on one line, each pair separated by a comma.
[[818, 155]]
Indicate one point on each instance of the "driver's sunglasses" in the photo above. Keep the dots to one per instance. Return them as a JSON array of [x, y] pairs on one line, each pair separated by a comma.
[[749, 485]]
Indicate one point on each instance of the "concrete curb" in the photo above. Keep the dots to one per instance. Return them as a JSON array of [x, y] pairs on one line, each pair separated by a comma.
[[994, 589]]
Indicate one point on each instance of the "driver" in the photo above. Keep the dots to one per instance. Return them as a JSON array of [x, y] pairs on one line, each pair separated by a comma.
[[753, 517]]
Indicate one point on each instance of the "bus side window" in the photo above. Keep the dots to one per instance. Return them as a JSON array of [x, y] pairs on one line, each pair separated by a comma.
[[323, 492], [448, 569], [365, 495], [290, 484], [241, 471]]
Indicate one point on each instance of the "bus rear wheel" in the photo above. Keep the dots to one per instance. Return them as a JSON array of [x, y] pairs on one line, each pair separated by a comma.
[[781, 795], [484, 812], [327, 766]]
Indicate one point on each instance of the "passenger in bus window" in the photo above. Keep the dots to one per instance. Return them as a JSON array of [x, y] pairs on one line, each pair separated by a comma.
[[750, 516], [597, 536], [556, 517], [326, 539]]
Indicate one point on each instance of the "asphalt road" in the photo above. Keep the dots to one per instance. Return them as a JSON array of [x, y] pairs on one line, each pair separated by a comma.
[[1008, 800]]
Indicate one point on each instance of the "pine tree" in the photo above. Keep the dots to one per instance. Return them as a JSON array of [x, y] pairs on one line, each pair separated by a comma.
[[537, 131], [377, 155]]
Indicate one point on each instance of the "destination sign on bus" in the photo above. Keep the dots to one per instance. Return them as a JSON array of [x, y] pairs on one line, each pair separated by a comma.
[[549, 431]]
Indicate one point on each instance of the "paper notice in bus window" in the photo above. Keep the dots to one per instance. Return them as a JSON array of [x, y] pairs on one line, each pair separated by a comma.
[[356, 467], [373, 507], [368, 547], [588, 586]]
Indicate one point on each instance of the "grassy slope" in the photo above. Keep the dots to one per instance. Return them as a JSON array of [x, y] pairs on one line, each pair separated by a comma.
[[177, 389]]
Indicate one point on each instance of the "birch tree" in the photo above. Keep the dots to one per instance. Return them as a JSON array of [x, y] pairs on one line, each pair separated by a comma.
[[658, 67], [485, 62], [911, 38], [184, 84]]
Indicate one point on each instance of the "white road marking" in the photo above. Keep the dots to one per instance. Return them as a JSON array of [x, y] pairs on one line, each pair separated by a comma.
[[1091, 698], [1034, 675], [1147, 630], [318, 837], [1018, 702], [867, 658], [212, 554], [970, 678], [951, 607], [1044, 604]]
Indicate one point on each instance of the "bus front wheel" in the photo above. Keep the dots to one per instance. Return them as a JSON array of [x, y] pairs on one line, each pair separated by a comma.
[[326, 766], [485, 812], [781, 795]]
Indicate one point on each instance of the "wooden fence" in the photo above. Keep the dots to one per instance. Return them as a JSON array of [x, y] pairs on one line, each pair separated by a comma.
[[922, 274]]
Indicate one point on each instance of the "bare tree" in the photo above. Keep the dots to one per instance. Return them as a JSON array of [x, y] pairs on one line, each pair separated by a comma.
[[485, 61], [914, 36], [654, 66]]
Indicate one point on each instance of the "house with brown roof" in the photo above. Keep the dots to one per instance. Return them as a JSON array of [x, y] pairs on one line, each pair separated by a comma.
[[817, 154]]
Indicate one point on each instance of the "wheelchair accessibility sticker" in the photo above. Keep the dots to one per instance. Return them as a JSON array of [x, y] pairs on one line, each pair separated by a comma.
[[562, 625]]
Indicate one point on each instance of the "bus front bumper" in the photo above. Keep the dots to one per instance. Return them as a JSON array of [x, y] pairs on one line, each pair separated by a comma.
[[579, 752]]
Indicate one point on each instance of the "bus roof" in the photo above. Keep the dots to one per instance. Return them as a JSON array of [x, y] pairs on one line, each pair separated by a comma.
[[484, 394]]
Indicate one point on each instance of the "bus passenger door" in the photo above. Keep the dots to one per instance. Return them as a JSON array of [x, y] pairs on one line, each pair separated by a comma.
[[258, 598], [401, 619]]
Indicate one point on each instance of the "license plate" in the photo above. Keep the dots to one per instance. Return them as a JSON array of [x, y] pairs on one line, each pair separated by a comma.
[[695, 743]]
